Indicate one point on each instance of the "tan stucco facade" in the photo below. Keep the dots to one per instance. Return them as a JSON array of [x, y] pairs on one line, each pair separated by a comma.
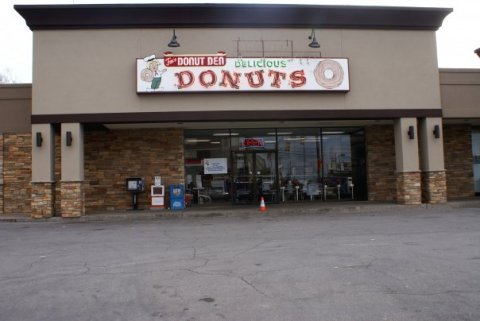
[[93, 71], [15, 107], [460, 92]]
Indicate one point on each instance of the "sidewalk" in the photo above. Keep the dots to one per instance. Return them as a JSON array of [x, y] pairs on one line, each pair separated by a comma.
[[223, 210]]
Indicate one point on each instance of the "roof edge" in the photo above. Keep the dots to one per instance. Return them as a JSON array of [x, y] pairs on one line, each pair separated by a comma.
[[105, 16]]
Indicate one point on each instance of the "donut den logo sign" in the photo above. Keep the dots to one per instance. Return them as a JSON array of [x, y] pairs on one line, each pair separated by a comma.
[[216, 72]]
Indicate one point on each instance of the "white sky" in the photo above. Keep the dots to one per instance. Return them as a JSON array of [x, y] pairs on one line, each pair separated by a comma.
[[456, 39]]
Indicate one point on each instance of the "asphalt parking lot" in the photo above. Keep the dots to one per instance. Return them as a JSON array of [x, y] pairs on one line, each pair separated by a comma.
[[407, 264]]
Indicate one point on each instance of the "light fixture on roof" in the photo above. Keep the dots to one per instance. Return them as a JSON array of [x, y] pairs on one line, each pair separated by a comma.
[[173, 43], [314, 43]]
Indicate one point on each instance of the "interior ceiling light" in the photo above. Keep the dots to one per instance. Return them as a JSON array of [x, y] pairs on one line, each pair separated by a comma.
[[194, 140], [225, 134], [280, 133]]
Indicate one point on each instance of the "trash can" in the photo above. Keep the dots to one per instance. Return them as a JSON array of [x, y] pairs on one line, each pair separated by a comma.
[[177, 197]]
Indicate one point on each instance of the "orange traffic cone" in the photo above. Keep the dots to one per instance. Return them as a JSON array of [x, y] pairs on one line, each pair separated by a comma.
[[263, 208]]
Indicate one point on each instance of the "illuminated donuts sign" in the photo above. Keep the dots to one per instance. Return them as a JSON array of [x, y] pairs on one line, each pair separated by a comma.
[[252, 142], [217, 73]]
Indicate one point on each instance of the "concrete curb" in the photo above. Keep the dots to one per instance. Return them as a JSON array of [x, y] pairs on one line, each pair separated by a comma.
[[273, 211]]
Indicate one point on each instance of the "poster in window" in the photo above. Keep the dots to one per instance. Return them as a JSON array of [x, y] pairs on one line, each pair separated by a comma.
[[215, 165]]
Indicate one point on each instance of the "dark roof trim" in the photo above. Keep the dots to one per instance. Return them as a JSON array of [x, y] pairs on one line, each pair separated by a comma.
[[50, 17], [235, 115]]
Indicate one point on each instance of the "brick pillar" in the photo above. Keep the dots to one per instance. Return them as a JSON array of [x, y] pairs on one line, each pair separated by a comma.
[[434, 187], [72, 203], [72, 199], [434, 183], [43, 199], [43, 148], [409, 190], [407, 161]]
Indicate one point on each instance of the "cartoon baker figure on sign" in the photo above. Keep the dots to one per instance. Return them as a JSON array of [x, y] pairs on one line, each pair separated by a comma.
[[151, 73]]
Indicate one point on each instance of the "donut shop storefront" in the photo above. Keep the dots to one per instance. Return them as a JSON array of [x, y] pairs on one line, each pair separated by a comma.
[[235, 102], [280, 164]]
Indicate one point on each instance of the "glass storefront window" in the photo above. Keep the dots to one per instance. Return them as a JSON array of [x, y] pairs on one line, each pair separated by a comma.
[[298, 163], [200, 147], [280, 165], [254, 164], [476, 159], [337, 164]]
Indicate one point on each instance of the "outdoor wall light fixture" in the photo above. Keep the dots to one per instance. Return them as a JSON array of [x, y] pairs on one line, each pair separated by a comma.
[[477, 51], [173, 43], [68, 139], [436, 131], [314, 43], [411, 132], [39, 139]]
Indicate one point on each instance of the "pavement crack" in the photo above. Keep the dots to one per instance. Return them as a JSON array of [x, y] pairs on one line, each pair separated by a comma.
[[253, 286], [251, 248], [359, 266], [250, 284], [204, 264], [40, 259], [423, 293], [87, 269], [301, 266]]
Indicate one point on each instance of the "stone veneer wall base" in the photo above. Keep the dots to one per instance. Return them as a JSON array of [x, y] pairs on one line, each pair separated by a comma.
[[380, 148], [43, 199], [72, 203], [1, 198], [457, 140], [111, 157], [434, 187], [409, 190], [17, 173]]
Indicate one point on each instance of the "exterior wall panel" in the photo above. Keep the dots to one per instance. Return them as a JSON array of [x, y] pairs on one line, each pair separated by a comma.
[[93, 71], [17, 174], [15, 108], [381, 178], [458, 161], [460, 93], [111, 157]]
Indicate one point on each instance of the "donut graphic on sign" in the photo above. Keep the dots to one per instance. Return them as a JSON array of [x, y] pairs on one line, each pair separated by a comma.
[[328, 74]]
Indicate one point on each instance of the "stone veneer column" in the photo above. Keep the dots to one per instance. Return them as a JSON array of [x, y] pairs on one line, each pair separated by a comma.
[[73, 196], [434, 182], [434, 187], [409, 188], [72, 168], [43, 197], [406, 156]]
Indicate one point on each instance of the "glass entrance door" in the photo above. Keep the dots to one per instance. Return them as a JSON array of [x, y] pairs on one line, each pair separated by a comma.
[[254, 175]]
